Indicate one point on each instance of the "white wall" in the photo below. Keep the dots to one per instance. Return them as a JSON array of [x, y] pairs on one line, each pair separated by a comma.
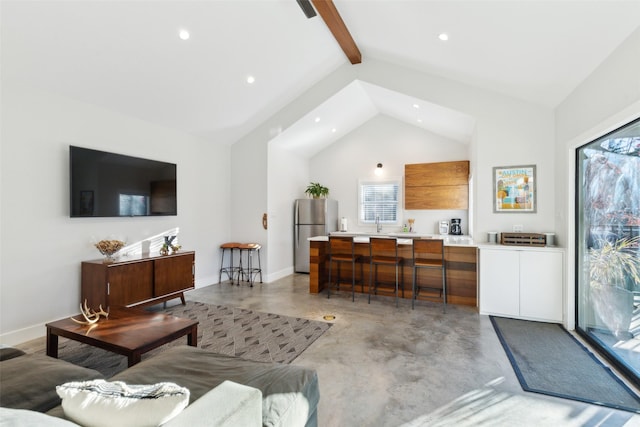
[[255, 182], [287, 176], [41, 247], [390, 142], [508, 132], [248, 201], [606, 100]]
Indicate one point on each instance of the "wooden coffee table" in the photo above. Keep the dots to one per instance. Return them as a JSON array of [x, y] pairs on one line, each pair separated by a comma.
[[127, 331]]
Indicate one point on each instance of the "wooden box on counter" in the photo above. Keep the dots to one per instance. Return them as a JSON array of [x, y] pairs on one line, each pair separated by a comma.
[[141, 281], [523, 239]]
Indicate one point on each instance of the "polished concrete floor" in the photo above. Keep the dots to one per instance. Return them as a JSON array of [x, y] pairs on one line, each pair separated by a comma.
[[380, 365]]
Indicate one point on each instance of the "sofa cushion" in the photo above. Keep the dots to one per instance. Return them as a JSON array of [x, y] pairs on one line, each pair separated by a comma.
[[228, 405], [22, 417], [290, 393], [7, 353], [99, 403], [29, 381]]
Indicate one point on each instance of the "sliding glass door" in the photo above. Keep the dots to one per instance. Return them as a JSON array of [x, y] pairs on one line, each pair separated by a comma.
[[607, 246]]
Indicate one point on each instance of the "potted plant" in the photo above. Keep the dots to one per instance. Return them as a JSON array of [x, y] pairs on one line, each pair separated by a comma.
[[316, 190], [614, 273]]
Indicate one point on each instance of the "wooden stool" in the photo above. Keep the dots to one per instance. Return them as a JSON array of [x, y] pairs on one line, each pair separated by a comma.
[[230, 270], [429, 254], [342, 250], [250, 271], [384, 251]]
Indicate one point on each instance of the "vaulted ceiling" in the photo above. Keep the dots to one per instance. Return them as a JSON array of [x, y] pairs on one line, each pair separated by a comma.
[[127, 56]]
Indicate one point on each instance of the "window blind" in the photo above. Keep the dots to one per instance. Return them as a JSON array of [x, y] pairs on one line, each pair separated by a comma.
[[379, 200]]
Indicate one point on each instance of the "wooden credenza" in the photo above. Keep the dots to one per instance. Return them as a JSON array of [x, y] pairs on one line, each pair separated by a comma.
[[137, 282]]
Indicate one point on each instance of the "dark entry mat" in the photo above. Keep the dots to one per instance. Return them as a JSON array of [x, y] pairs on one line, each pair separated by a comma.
[[549, 360]]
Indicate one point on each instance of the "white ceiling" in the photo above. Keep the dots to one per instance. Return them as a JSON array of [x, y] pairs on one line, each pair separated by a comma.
[[126, 56]]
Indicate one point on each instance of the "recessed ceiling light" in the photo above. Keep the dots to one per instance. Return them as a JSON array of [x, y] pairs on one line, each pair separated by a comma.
[[334, 130], [419, 120], [317, 119], [444, 37], [416, 106], [184, 34], [251, 79]]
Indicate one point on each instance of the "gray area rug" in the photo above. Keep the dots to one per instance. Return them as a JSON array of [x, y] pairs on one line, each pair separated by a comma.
[[252, 335], [549, 360]]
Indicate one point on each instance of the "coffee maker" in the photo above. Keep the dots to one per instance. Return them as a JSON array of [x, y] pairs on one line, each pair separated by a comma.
[[456, 227]]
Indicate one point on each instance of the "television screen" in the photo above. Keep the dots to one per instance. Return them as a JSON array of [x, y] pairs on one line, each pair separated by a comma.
[[110, 185]]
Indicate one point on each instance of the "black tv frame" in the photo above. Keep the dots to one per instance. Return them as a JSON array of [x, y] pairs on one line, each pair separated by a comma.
[[98, 181]]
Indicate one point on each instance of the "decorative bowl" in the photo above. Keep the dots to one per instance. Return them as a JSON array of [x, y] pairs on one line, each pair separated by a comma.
[[109, 248]]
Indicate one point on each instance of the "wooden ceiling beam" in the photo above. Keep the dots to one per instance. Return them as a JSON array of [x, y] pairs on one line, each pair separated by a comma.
[[332, 18]]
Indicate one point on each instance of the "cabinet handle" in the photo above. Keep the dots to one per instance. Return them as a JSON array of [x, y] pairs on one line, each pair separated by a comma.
[[108, 288]]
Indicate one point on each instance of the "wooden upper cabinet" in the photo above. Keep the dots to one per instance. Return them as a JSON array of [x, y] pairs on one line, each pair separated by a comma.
[[443, 185]]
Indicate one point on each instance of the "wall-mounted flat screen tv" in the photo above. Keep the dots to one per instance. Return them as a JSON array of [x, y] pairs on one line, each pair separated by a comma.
[[114, 185]]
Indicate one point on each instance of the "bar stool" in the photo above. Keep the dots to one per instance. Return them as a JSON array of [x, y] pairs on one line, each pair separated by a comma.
[[250, 271], [429, 253], [341, 250], [231, 269], [384, 251]]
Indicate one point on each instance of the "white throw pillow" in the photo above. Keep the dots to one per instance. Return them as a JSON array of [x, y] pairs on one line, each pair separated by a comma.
[[99, 403], [22, 417]]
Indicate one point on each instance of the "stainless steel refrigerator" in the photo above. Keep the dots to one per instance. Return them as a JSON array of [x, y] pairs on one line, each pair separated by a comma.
[[311, 217]]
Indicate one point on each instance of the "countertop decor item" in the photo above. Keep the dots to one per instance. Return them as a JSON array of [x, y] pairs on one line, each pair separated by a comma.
[[168, 246], [316, 190], [109, 248], [91, 317], [523, 239]]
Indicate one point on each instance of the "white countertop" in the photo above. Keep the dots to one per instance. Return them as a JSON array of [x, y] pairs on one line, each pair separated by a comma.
[[403, 238], [486, 245], [449, 240]]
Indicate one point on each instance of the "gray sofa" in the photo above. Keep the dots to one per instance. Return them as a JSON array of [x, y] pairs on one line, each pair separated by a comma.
[[290, 394]]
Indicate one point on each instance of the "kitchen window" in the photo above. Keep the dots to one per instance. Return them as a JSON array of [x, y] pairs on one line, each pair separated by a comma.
[[379, 199]]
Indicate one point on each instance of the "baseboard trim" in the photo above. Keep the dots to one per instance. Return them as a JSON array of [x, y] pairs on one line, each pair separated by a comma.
[[23, 335], [279, 274]]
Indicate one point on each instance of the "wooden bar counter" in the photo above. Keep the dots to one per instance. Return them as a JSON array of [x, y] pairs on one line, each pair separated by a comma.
[[461, 265]]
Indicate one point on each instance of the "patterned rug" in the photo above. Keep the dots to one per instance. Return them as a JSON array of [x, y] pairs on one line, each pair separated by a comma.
[[252, 335]]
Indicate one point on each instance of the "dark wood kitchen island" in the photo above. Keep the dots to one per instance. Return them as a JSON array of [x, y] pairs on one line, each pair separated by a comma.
[[461, 265]]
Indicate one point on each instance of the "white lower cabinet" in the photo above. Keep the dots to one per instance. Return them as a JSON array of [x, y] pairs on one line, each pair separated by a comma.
[[521, 283]]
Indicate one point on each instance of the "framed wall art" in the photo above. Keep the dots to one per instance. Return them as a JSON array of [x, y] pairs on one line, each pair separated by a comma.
[[514, 189]]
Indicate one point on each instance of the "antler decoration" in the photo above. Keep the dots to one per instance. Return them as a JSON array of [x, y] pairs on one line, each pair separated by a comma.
[[90, 317]]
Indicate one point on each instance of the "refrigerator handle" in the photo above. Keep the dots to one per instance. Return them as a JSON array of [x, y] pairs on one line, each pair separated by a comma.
[[296, 236]]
